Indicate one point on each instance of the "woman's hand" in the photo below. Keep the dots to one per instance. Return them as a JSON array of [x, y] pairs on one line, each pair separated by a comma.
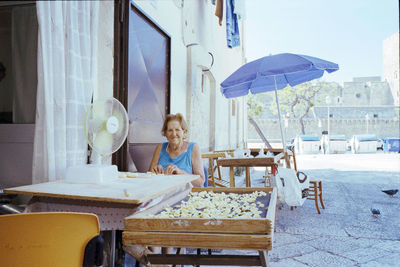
[[158, 169], [172, 169]]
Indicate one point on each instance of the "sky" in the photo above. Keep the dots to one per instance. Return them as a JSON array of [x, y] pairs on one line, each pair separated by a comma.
[[347, 32]]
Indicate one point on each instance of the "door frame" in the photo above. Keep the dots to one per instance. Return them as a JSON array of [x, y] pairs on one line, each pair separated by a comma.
[[121, 56]]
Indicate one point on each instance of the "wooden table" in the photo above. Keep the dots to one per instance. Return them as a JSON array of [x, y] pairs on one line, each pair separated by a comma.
[[218, 233], [123, 195], [111, 202], [121, 190], [247, 163]]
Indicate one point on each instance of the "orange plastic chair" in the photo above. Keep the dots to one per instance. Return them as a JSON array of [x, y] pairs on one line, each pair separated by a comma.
[[50, 239]]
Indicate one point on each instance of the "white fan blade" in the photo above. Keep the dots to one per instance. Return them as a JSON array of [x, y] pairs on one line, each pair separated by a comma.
[[103, 142]]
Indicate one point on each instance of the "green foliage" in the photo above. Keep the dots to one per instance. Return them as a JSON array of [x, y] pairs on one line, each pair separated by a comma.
[[298, 101], [294, 102], [255, 105]]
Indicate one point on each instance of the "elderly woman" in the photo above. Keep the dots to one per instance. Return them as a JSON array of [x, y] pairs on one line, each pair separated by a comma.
[[177, 156]]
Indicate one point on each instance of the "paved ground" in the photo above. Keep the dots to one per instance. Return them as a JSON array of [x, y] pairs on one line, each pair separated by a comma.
[[345, 233]]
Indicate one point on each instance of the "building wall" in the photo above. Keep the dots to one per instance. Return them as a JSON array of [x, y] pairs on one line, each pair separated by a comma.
[[391, 65], [105, 50], [195, 33]]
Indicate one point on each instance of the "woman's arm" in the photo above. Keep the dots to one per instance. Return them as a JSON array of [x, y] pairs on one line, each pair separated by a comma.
[[197, 166], [154, 167]]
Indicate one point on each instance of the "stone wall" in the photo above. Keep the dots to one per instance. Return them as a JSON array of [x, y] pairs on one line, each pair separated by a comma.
[[349, 127], [362, 98]]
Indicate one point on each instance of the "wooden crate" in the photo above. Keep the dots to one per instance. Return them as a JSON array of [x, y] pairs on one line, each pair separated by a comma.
[[228, 233]]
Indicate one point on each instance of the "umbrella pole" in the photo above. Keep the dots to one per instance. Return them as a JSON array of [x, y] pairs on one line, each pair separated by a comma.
[[280, 124]]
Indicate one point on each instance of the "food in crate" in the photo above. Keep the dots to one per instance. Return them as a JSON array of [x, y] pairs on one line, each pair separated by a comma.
[[208, 204]]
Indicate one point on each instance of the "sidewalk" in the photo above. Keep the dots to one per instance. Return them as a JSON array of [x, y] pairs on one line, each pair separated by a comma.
[[345, 233]]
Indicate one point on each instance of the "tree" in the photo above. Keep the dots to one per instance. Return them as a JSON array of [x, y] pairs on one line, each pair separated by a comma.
[[296, 102], [255, 107]]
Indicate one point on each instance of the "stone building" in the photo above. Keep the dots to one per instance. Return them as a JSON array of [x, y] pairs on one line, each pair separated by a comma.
[[391, 64], [364, 105], [156, 57], [366, 91]]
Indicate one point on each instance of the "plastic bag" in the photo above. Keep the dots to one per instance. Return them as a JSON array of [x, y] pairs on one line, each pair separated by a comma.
[[292, 187]]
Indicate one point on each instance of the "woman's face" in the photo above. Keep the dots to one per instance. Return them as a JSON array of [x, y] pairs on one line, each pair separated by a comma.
[[175, 133]]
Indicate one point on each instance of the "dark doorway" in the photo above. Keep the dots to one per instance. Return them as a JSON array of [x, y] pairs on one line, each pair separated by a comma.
[[147, 72], [18, 87]]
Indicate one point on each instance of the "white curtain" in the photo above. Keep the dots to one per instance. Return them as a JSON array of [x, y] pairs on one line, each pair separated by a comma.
[[24, 39], [67, 74]]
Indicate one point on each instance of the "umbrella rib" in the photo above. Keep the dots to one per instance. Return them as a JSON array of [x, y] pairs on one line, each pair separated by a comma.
[[274, 75]]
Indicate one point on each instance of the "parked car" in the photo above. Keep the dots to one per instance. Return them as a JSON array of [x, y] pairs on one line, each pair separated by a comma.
[[307, 144], [391, 144], [363, 143], [336, 144]]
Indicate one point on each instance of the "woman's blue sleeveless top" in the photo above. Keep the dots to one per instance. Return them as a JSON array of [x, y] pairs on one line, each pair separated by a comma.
[[183, 161]]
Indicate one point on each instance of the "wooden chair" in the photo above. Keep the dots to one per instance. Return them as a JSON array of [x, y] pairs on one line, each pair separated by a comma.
[[315, 193], [214, 171], [63, 239], [315, 188], [291, 162]]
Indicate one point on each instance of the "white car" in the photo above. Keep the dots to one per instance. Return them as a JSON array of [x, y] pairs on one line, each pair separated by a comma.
[[336, 144], [363, 143], [307, 144]]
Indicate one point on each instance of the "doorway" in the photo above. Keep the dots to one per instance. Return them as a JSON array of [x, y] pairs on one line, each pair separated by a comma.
[[145, 58], [18, 86]]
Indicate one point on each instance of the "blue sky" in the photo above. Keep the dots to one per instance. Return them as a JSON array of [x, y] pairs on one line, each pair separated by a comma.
[[347, 32]]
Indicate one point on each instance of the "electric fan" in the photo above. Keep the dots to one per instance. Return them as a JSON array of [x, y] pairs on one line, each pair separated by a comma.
[[106, 128]]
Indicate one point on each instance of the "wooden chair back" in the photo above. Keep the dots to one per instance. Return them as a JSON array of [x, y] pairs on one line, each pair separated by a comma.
[[214, 171], [47, 239]]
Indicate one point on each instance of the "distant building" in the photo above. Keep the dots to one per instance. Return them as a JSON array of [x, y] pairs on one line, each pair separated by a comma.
[[391, 65], [364, 105], [366, 91]]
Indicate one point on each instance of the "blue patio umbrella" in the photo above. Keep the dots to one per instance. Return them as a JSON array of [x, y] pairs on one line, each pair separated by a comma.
[[273, 73]]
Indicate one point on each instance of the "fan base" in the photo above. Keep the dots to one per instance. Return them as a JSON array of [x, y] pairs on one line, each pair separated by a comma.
[[91, 174]]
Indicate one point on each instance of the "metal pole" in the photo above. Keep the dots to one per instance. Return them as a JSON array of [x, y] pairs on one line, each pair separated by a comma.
[[280, 119], [328, 102], [329, 131]]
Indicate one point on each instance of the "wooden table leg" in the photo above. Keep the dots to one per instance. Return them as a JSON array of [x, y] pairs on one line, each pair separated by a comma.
[[274, 169], [248, 182], [287, 159], [232, 177], [263, 257]]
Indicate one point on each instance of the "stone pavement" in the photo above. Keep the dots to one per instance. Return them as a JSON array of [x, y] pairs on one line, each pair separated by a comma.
[[345, 233]]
